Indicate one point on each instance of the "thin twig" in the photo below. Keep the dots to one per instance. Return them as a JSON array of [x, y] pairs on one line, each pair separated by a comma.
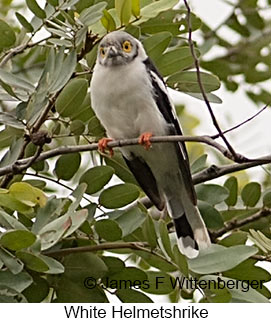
[[242, 123], [236, 156], [261, 257], [235, 224], [103, 246]]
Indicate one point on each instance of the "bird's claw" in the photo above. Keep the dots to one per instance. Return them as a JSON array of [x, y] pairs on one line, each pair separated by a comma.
[[103, 145], [144, 140]]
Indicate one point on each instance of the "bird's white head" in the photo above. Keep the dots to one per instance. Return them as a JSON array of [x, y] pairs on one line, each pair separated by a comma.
[[119, 48]]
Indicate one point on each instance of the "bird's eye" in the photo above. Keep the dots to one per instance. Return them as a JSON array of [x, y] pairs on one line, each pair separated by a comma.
[[127, 46], [102, 51]]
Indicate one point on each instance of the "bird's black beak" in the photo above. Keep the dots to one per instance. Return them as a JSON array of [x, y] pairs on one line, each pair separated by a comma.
[[112, 52]]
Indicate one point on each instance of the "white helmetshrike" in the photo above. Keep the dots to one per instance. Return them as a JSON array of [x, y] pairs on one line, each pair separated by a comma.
[[131, 100]]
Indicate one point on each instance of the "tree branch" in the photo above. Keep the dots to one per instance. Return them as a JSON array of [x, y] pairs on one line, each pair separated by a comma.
[[218, 171], [235, 224], [210, 173], [103, 246]]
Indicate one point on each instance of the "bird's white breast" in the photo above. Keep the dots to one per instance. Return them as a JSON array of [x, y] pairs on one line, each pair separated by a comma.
[[122, 100]]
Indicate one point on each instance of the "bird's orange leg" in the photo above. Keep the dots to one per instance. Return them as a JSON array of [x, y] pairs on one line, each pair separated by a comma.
[[102, 146], [144, 140]]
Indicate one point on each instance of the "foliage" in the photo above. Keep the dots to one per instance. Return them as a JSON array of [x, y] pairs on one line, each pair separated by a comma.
[[51, 245]]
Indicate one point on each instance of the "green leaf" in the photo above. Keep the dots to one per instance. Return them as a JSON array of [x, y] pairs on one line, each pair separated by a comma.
[[232, 185], [165, 238], [155, 45], [27, 194], [63, 74], [17, 239], [52, 209], [11, 262], [132, 296], [210, 215], [92, 56], [68, 4], [212, 193], [52, 232], [176, 60], [124, 10], [199, 164], [80, 266], [95, 128], [172, 20], [17, 282], [91, 15], [77, 219], [188, 82], [132, 277], [38, 290], [84, 113], [8, 201], [133, 30], [96, 178], [71, 96], [32, 261], [80, 293], [67, 165], [130, 220], [153, 9], [156, 261], [8, 36], [180, 261], [121, 170], [10, 120], [118, 196], [248, 271], [13, 153], [212, 261], [113, 264], [108, 230], [267, 199], [149, 232], [9, 222], [53, 2], [216, 293], [238, 294], [55, 267], [251, 194], [210, 97], [136, 8], [260, 240], [78, 194], [29, 28], [79, 269], [108, 21], [36, 9], [236, 238], [77, 127], [16, 81], [160, 283]]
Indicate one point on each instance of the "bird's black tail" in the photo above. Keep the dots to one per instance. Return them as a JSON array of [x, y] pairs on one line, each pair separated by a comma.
[[190, 241]]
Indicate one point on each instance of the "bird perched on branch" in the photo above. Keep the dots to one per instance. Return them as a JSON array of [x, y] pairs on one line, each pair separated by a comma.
[[131, 100]]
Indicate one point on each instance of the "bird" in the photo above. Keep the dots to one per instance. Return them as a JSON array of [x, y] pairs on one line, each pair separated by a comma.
[[130, 98]]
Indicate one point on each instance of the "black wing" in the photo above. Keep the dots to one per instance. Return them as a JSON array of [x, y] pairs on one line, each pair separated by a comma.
[[146, 180], [165, 107]]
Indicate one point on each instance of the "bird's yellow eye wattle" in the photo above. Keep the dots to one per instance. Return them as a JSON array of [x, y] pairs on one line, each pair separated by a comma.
[[127, 46], [102, 51]]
